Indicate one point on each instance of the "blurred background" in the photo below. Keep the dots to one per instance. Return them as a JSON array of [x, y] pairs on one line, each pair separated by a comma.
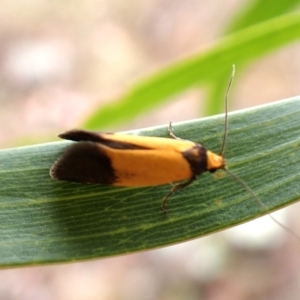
[[61, 60]]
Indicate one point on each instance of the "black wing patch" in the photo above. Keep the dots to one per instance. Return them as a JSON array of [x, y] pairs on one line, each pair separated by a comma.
[[84, 162]]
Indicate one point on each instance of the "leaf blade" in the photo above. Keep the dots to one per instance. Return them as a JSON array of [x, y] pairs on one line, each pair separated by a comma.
[[46, 221]]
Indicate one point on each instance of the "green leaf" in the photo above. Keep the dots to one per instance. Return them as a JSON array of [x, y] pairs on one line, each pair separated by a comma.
[[47, 221], [212, 68], [261, 10]]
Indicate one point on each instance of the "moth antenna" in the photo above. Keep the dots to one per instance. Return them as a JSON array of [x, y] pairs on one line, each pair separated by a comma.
[[261, 204], [240, 181], [226, 112]]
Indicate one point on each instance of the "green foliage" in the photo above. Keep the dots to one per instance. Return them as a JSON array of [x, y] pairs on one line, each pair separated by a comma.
[[211, 68], [47, 221], [261, 10]]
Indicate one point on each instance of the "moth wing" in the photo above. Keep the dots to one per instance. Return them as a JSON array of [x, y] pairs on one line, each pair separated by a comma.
[[149, 167], [125, 141], [84, 162], [89, 162]]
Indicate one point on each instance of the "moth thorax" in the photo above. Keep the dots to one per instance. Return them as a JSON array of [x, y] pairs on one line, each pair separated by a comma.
[[214, 161]]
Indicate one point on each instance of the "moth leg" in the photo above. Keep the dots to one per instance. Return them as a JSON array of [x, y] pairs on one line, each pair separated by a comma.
[[174, 189], [171, 133]]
